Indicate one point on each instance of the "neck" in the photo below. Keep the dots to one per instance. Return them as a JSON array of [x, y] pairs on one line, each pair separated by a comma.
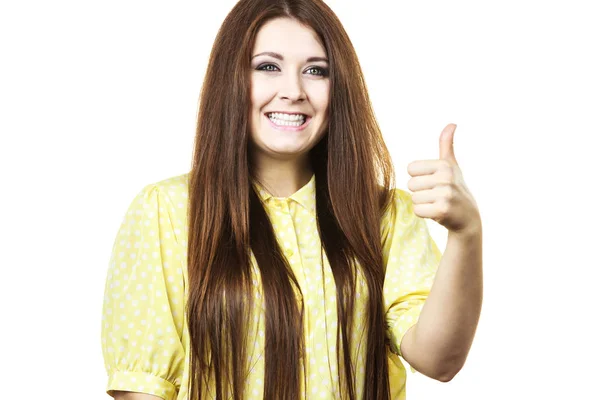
[[283, 179]]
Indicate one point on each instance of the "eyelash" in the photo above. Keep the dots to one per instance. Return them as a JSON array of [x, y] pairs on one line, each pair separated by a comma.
[[323, 71]]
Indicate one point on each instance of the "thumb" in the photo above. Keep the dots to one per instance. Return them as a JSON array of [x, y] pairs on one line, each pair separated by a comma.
[[447, 143]]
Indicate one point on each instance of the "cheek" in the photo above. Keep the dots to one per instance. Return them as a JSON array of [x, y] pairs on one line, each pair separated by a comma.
[[320, 98], [259, 94]]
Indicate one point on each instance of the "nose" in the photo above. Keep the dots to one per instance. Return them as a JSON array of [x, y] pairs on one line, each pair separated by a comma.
[[291, 88]]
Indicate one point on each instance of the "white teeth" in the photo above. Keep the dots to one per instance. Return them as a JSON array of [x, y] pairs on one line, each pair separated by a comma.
[[287, 119]]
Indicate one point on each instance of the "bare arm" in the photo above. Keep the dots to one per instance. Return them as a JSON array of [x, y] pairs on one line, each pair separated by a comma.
[[119, 395], [438, 344]]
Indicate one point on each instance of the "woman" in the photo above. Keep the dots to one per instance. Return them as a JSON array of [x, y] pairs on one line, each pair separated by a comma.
[[280, 267]]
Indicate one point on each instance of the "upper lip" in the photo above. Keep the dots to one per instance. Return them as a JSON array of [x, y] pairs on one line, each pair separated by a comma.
[[287, 112]]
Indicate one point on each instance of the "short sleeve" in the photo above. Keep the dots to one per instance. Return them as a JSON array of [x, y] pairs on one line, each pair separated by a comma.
[[411, 258], [143, 310]]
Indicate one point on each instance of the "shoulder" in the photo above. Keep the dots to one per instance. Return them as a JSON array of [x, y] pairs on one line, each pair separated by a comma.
[[398, 214], [398, 195], [165, 199], [171, 191], [172, 187], [400, 204], [401, 196]]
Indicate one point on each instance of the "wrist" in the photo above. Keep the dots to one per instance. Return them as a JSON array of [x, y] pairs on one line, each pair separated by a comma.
[[471, 232]]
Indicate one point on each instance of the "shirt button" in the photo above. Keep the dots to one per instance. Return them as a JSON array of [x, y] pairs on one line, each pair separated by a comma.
[[289, 252]]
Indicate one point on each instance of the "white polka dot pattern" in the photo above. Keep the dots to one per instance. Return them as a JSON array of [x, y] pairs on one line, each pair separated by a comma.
[[145, 339], [411, 257], [143, 311]]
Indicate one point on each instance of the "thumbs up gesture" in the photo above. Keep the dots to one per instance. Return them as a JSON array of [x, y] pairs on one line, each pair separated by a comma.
[[440, 192]]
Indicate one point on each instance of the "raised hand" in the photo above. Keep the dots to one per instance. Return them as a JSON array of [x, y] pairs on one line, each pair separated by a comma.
[[440, 192]]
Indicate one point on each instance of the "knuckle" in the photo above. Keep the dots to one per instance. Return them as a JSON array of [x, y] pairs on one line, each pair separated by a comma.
[[445, 177], [444, 208], [452, 190], [448, 192]]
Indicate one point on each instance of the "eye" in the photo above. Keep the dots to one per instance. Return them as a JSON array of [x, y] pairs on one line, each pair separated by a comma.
[[264, 66], [320, 71]]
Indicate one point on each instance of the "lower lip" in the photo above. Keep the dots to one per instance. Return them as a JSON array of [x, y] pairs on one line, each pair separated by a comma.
[[290, 128]]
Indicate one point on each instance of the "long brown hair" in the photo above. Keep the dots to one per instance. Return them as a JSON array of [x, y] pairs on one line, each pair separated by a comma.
[[228, 222]]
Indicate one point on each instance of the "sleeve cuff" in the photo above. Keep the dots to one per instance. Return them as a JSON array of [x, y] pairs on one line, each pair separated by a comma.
[[399, 328], [141, 382]]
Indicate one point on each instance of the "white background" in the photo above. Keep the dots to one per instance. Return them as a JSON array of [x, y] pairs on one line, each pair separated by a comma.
[[98, 99]]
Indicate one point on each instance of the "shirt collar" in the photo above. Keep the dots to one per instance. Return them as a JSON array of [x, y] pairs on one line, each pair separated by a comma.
[[305, 196]]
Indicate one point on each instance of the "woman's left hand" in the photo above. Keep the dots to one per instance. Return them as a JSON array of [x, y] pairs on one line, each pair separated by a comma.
[[440, 192]]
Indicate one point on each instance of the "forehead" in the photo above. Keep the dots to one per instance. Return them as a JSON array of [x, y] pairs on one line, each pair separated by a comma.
[[288, 36]]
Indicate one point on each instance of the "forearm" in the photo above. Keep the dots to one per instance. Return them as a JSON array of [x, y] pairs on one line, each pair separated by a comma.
[[439, 343]]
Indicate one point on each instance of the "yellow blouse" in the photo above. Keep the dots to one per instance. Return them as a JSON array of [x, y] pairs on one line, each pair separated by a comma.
[[144, 333]]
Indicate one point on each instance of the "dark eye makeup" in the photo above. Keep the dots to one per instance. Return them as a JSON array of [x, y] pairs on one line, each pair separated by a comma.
[[322, 71]]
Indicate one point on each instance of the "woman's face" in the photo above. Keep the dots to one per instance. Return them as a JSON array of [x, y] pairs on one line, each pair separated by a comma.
[[289, 77]]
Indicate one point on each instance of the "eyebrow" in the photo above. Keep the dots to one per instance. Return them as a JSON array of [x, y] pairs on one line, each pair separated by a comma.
[[280, 57]]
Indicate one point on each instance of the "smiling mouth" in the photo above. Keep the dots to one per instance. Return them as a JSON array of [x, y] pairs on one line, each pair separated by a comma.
[[289, 125]]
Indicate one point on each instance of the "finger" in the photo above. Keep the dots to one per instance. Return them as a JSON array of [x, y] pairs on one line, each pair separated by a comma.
[[424, 182], [447, 143], [425, 196], [423, 167], [427, 210]]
